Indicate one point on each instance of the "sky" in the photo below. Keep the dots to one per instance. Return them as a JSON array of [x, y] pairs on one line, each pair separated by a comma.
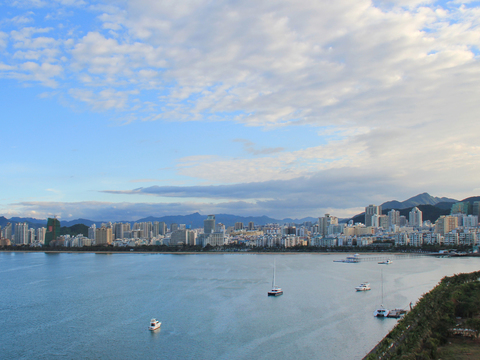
[[118, 110]]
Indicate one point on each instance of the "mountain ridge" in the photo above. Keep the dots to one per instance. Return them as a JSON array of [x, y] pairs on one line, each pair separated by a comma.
[[442, 205]]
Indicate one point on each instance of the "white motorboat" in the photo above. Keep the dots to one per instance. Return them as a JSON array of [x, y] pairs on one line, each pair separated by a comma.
[[363, 287], [386, 262], [276, 291], [154, 324]]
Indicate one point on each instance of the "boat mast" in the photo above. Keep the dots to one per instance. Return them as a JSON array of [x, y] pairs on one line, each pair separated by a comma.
[[273, 281], [382, 287]]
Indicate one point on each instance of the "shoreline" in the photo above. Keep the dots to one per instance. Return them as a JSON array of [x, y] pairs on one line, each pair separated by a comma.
[[395, 253]]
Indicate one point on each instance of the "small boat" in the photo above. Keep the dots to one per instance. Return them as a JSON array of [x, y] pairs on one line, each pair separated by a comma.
[[363, 287], [386, 262], [154, 324], [350, 259], [276, 291], [381, 312]]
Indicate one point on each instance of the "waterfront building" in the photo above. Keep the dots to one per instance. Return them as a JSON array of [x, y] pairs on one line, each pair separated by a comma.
[[461, 208], [179, 237], [476, 208], [467, 238], [209, 224], [325, 222], [53, 230], [452, 239], [103, 236], [371, 210], [118, 230], [220, 228], [383, 221], [402, 239], [31, 236], [41, 235], [21, 233], [162, 228], [445, 224], [393, 218], [416, 238], [432, 238], [214, 239], [415, 218], [92, 231], [7, 231], [470, 221]]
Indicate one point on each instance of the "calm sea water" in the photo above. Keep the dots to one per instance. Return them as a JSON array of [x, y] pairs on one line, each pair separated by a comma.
[[95, 306]]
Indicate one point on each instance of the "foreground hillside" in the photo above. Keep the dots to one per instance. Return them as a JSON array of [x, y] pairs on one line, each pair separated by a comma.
[[452, 305]]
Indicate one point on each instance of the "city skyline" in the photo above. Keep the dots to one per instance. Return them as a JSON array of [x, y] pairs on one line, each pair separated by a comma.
[[287, 109]]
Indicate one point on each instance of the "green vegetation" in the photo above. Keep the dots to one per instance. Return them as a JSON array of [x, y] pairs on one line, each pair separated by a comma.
[[74, 230], [419, 334]]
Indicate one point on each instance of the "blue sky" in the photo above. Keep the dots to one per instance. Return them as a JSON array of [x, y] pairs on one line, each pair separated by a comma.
[[116, 110]]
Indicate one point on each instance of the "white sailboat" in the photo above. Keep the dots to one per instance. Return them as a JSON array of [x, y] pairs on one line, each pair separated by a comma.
[[381, 311], [276, 291]]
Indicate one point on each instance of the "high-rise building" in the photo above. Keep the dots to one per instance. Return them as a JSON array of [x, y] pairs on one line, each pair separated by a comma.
[[461, 208], [21, 233], [92, 231], [209, 224], [181, 237], [31, 236], [415, 217], [325, 222], [118, 229], [103, 236], [173, 227], [238, 226], [371, 210], [53, 230], [476, 208], [162, 228], [7, 231], [251, 226], [445, 224], [41, 234], [394, 218]]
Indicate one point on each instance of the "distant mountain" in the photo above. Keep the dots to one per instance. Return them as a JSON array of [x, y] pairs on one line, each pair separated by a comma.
[[420, 199], [29, 220], [472, 199], [195, 220], [81, 221], [3, 221]]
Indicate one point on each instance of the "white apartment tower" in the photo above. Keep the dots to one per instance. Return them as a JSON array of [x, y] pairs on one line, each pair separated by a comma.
[[41, 234], [415, 217], [21, 233], [394, 217]]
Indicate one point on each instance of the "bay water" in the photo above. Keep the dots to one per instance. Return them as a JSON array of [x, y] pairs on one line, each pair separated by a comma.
[[212, 306]]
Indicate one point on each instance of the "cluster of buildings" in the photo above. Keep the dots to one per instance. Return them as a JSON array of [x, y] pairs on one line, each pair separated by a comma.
[[380, 230]]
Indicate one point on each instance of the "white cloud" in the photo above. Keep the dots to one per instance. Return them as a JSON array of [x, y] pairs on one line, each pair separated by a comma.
[[392, 84]]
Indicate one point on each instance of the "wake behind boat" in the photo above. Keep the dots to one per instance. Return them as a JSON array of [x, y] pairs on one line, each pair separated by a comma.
[[154, 324]]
